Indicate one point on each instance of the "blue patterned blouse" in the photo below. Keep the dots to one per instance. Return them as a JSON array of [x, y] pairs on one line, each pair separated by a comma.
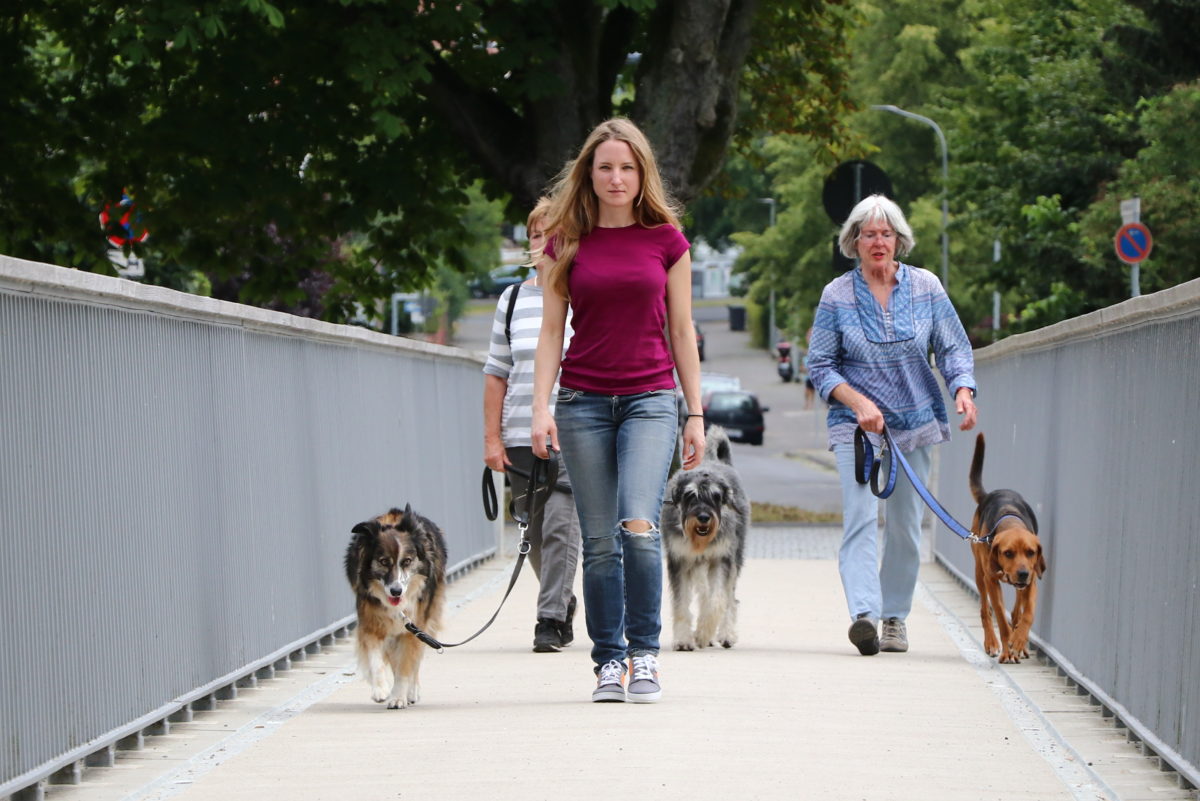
[[885, 355]]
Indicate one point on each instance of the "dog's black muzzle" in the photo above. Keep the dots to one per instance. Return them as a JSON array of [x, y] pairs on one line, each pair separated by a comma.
[[704, 524]]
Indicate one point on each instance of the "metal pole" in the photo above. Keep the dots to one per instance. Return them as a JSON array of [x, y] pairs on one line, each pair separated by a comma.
[[945, 183], [996, 294], [770, 201]]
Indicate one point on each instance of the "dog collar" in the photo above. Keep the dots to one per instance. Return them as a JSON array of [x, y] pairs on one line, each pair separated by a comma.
[[996, 525]]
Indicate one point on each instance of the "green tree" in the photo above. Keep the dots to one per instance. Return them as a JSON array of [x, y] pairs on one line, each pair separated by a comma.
[[1166, 176], [259, 139]]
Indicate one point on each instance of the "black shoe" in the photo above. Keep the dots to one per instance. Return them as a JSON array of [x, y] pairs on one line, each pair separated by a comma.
[[865, 635], [546, 639], [566, 629]]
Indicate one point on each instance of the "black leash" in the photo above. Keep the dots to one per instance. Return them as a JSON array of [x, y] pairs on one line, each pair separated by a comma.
[[491, 506], [537, 476], [867, 469]]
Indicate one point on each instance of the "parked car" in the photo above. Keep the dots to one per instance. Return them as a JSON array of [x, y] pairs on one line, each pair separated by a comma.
[[736, 411], [708, 382], [699, 339], [711, 381], [495, 282]]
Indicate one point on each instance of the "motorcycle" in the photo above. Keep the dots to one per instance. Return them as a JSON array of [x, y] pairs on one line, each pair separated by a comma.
[[784, 366]]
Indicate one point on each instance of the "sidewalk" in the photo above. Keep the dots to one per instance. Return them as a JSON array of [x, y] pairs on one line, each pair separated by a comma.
[[791, 711]]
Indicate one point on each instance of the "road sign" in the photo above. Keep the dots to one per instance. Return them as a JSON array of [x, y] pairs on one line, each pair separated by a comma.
[[1133, 242], [849, 183]]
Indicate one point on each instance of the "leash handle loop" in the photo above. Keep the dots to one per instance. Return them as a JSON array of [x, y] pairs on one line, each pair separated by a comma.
[[864, 454], [538, 482], [491, 506]]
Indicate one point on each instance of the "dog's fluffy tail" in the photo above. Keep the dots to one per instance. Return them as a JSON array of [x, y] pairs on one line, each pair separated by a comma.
[[976, 475], [716, 445]]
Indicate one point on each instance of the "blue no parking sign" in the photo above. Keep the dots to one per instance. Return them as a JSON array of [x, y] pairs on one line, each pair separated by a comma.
[[1133, 242]]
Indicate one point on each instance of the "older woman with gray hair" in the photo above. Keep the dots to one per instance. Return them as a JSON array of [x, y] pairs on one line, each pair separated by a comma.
[[869, 358]]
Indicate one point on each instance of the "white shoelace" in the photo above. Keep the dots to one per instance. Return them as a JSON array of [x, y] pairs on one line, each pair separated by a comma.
[[611, 672], [645, 667]]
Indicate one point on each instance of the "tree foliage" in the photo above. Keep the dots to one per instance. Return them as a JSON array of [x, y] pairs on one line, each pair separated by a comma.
[[313, 156], [1054, 111]]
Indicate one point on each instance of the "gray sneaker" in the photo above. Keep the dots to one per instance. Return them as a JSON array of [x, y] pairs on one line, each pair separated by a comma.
[[643, 683], [610, 682], [894, 637], [864, 635]]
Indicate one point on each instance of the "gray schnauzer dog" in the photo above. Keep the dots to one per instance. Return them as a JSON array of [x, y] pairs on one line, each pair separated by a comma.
[[704, 521]]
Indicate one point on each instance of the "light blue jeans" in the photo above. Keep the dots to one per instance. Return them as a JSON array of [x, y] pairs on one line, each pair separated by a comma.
[[881, 589], [618, 450]]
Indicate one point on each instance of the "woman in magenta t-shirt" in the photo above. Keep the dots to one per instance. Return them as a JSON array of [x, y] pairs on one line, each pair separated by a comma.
[[620, 260]]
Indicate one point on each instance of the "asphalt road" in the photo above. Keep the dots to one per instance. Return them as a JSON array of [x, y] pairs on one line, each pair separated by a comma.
[[793, 466]]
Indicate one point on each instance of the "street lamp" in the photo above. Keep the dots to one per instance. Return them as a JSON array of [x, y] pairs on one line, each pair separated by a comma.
[[945, 183], [770, 201]]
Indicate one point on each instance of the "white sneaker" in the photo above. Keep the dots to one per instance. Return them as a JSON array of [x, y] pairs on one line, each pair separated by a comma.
[[610, 682], [643, 684]]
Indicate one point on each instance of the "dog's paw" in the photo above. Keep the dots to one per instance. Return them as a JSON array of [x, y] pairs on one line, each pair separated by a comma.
[[1019, 650], [729, 642], [1009, 658], [397, 703], [379, 692], [685, 645]]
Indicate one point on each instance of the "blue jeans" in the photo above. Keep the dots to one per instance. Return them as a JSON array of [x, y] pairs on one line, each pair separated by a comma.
[[884, 589], [618, 450]]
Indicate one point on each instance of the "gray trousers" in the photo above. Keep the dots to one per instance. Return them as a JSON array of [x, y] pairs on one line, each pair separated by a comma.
[[553, 534]]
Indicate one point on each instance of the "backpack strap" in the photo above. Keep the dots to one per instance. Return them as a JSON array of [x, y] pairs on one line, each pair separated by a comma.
[[512, 304]]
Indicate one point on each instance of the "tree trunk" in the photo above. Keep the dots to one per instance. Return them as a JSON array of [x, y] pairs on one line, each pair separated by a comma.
[[687, 87], [685, 101]]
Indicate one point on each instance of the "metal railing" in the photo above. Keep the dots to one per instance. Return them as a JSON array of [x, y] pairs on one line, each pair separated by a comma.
[[1093, 420], [179, 478]]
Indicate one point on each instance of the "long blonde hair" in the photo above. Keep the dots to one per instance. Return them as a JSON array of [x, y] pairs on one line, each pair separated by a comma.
[[575, 209]]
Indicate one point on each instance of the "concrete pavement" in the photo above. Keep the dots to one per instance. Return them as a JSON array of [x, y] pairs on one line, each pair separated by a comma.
[[791, 711]]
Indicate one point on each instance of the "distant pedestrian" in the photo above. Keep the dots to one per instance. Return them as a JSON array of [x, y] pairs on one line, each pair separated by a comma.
[[553, 530], [621, 261], [869, 358]]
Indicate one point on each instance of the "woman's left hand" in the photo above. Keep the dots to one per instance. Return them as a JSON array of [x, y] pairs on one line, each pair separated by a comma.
[[693, 442], [964, 404]]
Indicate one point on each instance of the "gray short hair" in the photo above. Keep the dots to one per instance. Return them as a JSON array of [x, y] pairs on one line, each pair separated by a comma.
[[874, 209]]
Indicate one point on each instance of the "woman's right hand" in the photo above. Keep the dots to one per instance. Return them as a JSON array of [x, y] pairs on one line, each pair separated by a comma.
[[869, 416], [543, 430], [867, 413]]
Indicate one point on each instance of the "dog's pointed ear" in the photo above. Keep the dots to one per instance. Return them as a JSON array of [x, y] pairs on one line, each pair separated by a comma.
[[366, 528], [1041, 562]]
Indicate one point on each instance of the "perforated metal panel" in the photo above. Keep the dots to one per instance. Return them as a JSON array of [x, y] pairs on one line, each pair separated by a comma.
[[179, 478], [1094, 422]]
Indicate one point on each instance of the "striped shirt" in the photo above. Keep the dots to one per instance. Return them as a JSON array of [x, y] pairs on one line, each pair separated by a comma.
[[515, 364], [885, 355]]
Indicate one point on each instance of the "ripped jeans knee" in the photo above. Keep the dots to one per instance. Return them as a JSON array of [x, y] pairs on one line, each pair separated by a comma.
[[638, 527]]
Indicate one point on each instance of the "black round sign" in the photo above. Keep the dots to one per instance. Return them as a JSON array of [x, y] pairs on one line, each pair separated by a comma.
[[849, 183]]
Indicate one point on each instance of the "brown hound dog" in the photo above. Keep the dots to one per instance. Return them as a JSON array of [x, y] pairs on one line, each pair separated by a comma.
[[1010, 553]]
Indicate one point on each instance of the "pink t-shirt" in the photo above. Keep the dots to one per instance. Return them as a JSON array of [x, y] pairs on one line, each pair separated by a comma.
[[618, 286]]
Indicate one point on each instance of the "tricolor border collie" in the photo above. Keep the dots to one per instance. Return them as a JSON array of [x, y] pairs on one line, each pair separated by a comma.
[[396, 565]]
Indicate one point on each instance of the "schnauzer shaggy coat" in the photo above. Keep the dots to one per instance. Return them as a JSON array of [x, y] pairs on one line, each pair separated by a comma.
[[704, 521]]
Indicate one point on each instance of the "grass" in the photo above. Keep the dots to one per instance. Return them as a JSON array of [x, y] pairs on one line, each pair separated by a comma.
[[777, 513]]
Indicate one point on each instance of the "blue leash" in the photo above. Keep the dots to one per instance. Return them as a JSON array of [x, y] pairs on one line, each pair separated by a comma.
[[867, 468]]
